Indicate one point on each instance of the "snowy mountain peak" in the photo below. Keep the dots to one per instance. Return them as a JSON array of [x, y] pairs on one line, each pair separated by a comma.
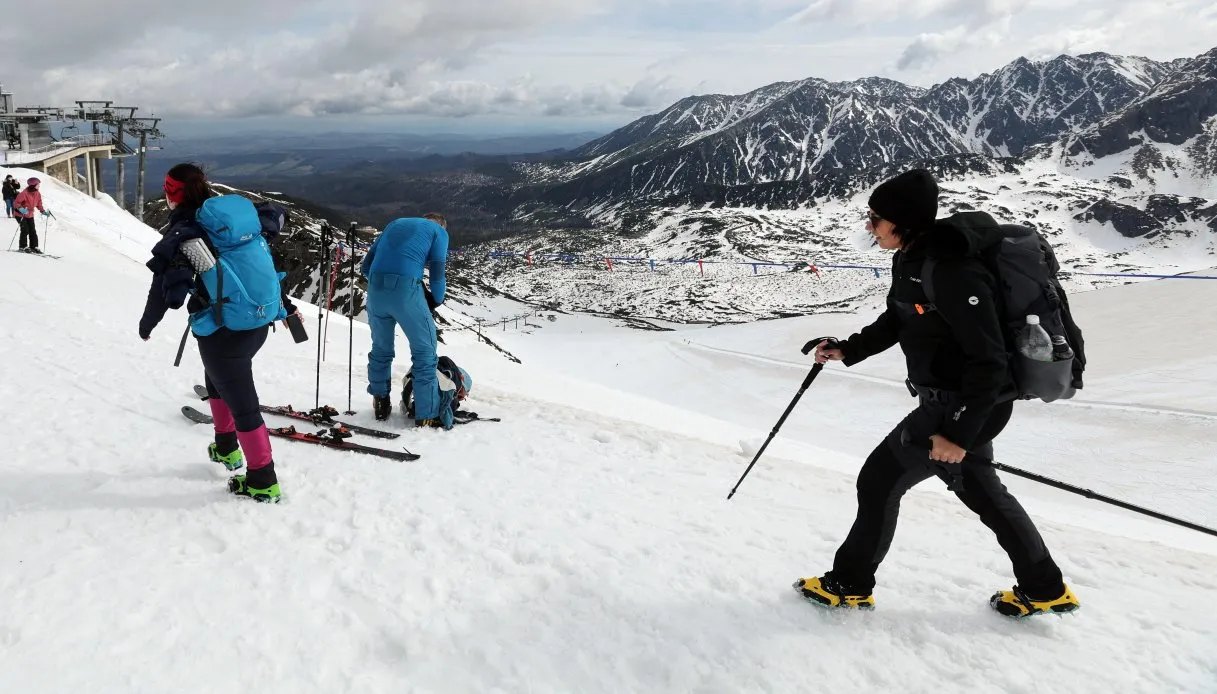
[[790, 132], [1167, 132]]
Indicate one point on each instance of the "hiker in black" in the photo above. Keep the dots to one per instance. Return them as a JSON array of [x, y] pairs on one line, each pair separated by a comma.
[[11, 188], [958, 368]]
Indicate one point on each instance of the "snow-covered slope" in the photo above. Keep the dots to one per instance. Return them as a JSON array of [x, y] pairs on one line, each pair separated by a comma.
[[584, 544], [1166, 139], [1097, 225]]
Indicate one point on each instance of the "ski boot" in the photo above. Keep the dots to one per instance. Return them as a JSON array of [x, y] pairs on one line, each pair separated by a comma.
[[428, 424], [382, 407], [1015, 603], [233, 459], [259, 485], [827, 592]]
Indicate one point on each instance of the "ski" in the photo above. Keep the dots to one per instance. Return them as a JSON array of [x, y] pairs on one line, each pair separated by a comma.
[[336, 438], [471, 417], [322, 416], [195, 416], [330, 438], [38, 255]]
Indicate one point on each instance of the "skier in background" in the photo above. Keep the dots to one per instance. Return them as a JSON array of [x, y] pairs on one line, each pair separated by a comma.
[[25, 203], [397, 297], [11, 188]]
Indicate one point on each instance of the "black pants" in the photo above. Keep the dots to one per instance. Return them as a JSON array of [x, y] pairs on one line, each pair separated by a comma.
[[893, 468], [228, 360], [28, 230]]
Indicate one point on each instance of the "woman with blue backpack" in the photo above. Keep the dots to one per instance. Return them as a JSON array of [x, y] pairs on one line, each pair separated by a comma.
[[216, 246]]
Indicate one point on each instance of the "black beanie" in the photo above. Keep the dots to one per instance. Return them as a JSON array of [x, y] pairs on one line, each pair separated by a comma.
[[910, 200]]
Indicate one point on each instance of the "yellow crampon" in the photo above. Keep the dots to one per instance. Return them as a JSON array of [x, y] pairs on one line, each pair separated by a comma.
[[1016, 603], [829, 594]]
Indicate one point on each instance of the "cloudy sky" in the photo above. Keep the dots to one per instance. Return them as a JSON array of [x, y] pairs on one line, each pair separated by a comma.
[[556, 65]]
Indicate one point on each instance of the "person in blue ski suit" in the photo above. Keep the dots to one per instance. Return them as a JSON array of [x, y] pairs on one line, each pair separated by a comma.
[[396, 296]]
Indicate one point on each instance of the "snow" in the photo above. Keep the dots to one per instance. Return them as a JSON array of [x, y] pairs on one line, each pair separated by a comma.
[[1042, 192], [585, 543]]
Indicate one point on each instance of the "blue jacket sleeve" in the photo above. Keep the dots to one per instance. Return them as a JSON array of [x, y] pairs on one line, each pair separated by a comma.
[[436, 260], [366, 265]]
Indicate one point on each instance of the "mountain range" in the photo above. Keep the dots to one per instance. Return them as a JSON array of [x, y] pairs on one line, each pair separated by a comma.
[[1113, 157]]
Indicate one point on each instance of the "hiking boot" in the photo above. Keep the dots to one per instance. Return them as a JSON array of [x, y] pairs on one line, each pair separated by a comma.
[[233, 460], [827, 592], [429, 423], [382, 406], [1016, 603], [259, 485]]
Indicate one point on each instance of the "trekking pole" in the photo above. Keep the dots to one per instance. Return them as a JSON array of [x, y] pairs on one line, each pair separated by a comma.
[[811, 376], [1063, 486], [350, 315], [1090, 494], [325, 271], [329, 301]]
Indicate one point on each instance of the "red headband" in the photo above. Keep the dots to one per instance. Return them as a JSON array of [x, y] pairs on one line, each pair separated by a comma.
[[175, 190]]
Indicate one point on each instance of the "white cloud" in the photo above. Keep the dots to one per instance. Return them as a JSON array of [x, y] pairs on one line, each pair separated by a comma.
[[1162, 30], [562, 59], [889, 10], [929, 48]]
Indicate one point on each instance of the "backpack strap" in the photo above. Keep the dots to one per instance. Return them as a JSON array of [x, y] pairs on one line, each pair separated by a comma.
[[181, 347], [927, 286], [219, 300]]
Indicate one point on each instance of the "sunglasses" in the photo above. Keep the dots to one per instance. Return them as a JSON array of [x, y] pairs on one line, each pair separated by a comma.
[[873, 219]]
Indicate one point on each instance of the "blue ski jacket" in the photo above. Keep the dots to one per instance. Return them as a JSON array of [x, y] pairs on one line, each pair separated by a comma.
[[406, 247]]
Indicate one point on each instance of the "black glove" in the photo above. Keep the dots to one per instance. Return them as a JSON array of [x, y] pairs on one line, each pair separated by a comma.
[[431, 304]]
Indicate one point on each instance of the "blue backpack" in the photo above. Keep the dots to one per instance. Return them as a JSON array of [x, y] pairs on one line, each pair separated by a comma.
[[243, 285]]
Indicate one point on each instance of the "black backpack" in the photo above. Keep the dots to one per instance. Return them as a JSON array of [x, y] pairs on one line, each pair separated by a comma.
[[1025, 267], [448, 368]]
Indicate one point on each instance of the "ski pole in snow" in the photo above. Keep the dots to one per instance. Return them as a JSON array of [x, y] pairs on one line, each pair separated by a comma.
[[811, 376], [10, 243], [1088, 493], [350, 314], [325, 271], [46, 232]]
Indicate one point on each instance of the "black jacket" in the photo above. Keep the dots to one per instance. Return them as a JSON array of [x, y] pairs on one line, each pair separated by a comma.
[[173, 277], [11, 189], [957, 344]]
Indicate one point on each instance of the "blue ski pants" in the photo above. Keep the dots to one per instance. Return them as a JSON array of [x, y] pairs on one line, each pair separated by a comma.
[[395, 300]]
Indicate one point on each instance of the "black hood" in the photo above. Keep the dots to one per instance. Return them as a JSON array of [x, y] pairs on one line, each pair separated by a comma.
[[960, 235]]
